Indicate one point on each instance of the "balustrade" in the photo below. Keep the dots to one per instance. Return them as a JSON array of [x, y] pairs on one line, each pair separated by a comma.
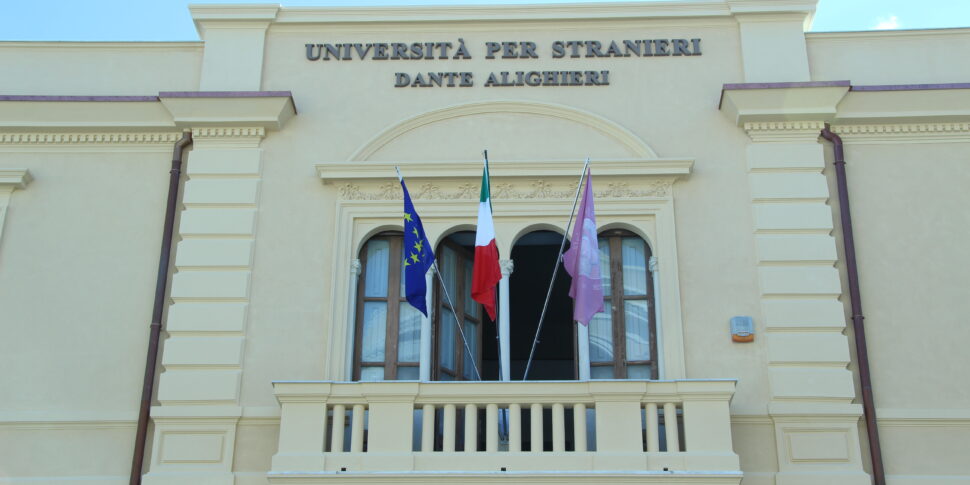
[[461, 427]]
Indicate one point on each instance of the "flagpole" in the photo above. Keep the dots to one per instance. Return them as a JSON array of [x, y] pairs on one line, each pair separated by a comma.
[[498, 333], [444, 289], [555, 271]]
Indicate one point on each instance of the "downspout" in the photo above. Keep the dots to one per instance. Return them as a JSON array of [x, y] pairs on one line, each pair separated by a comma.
[[148, 384], [862, 352]]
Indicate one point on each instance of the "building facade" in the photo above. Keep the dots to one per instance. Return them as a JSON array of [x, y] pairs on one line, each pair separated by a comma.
[[287, 353]]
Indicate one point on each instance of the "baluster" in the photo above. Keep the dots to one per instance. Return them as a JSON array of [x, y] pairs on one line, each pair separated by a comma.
[[427, 428], [448, 443], [471, 428], [535, 414], [653, 428], [357, 429], [670, 423], [337, 433], [515, 427], [579, 426], [558, 428], [491, 428]]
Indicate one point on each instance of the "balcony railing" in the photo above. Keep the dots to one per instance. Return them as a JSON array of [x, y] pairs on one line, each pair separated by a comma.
[[435, 430]]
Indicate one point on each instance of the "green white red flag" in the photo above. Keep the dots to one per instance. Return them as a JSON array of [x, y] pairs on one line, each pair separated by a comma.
[[486, 272]]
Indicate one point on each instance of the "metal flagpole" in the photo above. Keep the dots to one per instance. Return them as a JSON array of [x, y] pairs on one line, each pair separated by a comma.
[[457, 321], [434, 266], [555, 271]]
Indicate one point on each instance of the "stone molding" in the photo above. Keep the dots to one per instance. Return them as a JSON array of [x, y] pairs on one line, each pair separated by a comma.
[[904, 132], [11, 179], [784, 131], [537, 189], [240, 132], [95, 138], [803, 131], [14, 178]]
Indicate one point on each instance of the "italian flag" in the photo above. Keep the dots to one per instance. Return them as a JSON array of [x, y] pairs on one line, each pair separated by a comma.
[[486, 272]]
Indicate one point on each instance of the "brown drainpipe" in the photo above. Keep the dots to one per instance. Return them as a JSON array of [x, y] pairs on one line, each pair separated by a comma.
[[148, 384], [862, 352]]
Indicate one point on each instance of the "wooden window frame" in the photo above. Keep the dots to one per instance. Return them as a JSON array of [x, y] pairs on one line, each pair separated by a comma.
[[617, 299], [393, 299], [459, 301]]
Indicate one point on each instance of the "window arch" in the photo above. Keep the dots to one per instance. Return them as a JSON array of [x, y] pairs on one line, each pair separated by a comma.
[[387, 328], [623, 338]]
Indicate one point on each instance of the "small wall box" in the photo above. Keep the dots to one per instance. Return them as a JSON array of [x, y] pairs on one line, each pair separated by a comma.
[[742, 329]]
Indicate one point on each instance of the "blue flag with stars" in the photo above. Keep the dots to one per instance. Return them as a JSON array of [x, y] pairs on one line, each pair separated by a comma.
[[418, 256]]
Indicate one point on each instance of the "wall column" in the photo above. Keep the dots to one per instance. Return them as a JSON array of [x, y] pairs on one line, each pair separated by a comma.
[[811, 388], [505, 360], [199, 388]]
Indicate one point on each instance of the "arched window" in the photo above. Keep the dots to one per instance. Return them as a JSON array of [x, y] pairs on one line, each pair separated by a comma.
[[455, 362], [388, 329], [623, 339]]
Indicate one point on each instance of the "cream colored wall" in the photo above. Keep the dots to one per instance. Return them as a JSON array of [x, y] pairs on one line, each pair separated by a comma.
[[344, 104], [99, 68], [79, 257], [911, 248], [668, 103], [890, 57], [643, 96]]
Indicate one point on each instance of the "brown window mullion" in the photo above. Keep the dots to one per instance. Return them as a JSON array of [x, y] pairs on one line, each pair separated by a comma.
[[393, 310], [359, 320], [618, 317]]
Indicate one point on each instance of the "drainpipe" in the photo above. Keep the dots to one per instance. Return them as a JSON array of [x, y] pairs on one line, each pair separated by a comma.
[[148, 385], [862, 352]]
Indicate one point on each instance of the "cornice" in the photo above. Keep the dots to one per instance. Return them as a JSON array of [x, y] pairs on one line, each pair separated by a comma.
[[775, 102], [243, 109], [93, 138], [506, 13], [904, 133], [784, 131], [472, 170], [234, 132], [14, 178], [538, 189], [96, 44], [884, 34]]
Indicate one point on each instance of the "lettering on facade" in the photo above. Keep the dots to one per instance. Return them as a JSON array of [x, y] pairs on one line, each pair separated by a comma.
[[560, 49]]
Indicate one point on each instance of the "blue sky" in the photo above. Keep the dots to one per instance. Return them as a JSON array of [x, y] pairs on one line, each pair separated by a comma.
[[169, 20]]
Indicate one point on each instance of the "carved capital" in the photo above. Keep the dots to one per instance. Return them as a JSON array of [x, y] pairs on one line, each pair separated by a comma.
[[355, 267], [654, 264], [507, 266]]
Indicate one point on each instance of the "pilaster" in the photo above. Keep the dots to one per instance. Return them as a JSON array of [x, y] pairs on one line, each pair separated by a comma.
[[199, 389], [234, 44], [811, 388], [773, 38]]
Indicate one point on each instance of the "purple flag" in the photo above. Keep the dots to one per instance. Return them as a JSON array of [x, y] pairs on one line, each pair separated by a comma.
[[582, 261]]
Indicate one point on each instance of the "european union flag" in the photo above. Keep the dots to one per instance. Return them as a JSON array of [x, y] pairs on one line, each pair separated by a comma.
[[418, 256]]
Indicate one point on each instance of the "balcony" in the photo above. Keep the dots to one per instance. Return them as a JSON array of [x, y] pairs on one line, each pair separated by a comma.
[[564, 431]]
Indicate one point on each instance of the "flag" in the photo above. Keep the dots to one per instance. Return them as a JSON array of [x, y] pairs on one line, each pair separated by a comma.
[[486, 272], [582, 261], [418, 256]]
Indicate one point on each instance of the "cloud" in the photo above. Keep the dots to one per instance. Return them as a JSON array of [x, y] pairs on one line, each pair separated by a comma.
[[890, 23]]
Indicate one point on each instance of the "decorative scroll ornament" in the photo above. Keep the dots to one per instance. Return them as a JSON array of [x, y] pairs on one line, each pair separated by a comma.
[[537, 189]]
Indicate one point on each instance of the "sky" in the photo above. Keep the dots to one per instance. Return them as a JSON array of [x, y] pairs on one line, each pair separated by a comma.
[[169, 20]]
